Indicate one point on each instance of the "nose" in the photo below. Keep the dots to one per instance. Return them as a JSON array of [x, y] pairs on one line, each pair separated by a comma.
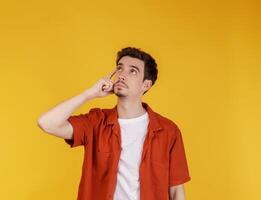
[[121, 77]]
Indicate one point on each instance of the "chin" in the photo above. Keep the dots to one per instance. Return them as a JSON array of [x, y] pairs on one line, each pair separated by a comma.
[[119, 94]]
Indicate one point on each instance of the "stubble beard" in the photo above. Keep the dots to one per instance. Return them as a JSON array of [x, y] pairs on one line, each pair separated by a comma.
[[119, 94]]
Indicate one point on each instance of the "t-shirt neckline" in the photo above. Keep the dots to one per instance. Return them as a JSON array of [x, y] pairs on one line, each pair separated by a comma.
[[136, 119]]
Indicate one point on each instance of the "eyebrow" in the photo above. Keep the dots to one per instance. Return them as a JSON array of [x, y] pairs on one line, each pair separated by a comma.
[[120, 64]]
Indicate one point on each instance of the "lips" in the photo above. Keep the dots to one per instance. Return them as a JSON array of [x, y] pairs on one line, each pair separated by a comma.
[[121, 84]]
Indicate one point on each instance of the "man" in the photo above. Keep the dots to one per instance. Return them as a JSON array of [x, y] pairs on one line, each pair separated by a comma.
[[130, 151]]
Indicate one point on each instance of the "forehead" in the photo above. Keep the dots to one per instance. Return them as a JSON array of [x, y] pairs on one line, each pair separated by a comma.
[[127, 60]]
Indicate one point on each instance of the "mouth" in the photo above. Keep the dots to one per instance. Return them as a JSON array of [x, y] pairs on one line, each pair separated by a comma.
[[120, 84]]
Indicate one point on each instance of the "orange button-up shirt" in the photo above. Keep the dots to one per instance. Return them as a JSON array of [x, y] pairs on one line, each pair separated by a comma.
[[163, 162]]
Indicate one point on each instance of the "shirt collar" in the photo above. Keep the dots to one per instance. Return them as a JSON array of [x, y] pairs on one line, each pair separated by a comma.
[[154, 124]]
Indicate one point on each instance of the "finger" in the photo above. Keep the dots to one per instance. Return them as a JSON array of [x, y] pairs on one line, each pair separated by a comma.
[[106, 85], [111, 88], [107, 82], [110, 75]]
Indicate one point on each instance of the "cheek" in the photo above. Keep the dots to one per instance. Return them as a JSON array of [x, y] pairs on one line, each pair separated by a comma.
[[137, 86]]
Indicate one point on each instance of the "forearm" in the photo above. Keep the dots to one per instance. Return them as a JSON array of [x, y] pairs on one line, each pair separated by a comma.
[[61, 112], [177, 193], [178, 196]]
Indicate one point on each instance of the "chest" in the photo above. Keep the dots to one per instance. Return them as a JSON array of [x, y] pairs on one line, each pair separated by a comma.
[[134, 143]]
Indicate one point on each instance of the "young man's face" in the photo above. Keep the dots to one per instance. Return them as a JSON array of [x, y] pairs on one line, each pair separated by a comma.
[[129, 78]]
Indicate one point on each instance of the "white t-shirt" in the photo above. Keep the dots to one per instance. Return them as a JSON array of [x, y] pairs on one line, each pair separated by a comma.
[[133, 132]]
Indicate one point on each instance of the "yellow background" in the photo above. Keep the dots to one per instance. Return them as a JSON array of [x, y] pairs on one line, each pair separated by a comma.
[[208, 54]]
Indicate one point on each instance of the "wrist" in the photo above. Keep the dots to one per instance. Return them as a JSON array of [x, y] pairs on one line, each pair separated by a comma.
[[89, 94]]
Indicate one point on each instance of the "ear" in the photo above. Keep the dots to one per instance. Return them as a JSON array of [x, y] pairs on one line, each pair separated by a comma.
[[146, 85]]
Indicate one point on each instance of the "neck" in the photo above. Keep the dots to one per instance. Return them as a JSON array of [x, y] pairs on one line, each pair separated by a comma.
[[129, 109]]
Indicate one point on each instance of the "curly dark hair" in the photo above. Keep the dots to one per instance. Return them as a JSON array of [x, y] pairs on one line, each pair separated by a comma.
[[150, 65]]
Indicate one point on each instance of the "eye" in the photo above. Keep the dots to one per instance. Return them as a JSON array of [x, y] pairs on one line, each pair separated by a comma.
[[133, 71], [119, 68]]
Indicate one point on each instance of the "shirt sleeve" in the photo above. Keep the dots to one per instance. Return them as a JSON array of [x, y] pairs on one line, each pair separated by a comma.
[[82, 127], [178, 168]]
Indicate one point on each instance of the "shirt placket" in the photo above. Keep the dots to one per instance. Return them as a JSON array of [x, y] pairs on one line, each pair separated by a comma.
[[116, 132], [146, 147]]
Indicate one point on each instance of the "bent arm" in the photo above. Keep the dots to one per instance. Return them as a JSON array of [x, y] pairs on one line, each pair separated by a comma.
[[55, 121]]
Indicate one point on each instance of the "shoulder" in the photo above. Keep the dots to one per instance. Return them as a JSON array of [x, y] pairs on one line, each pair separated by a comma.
[[100, 114], [168, 124], [93, 115]]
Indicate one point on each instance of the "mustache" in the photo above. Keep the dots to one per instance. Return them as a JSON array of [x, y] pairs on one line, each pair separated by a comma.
[[119, 81]]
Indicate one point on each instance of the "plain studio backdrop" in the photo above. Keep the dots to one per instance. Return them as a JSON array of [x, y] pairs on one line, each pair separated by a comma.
[[208, 55]]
